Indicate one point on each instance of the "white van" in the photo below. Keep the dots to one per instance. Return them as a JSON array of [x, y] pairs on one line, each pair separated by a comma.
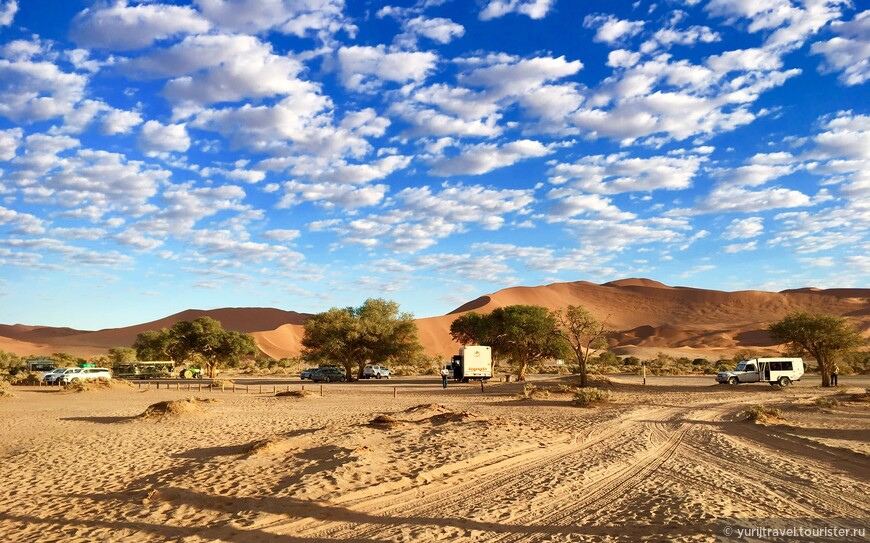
[[776, 371]]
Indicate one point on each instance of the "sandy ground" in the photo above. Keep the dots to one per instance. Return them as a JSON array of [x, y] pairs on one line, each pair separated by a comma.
[[664, 462]]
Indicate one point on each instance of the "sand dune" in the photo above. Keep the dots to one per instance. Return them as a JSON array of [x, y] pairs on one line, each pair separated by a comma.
[[643, 313]]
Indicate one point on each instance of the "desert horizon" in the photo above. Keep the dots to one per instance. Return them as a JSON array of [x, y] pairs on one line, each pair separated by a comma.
[[646, 317]]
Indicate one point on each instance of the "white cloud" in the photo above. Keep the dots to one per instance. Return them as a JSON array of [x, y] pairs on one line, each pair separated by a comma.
[[749, 227], [124, 27], [301, 18], [8, 9], [21, 223], [610, 29], [849, 52], [10, 140], [437, 29], [616, 174], [366, 68], [535, 9], [36, 90], [118, 121], [332, 194], [158, 138], [517, 77], [735, 199], [221, 68], [482, 158]]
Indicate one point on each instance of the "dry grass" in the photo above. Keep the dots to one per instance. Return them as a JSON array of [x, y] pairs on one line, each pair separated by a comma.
[[587, 397], [761, 413], [175, 408]]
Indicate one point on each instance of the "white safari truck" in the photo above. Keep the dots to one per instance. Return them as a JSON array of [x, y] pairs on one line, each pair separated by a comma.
[[776, 371], [473, 363]]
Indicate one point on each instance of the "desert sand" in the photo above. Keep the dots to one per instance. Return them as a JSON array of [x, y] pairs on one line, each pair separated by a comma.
[[405, 460]]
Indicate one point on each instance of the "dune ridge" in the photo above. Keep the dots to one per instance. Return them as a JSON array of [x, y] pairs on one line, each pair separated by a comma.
[[643, 314]]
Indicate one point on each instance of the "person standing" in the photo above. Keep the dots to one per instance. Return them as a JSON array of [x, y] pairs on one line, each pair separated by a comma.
[[445, 373], [834, 372]]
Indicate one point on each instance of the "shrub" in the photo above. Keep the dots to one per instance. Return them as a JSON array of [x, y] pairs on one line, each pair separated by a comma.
[[585, 397], [4, 390], [760, 413], [27, 378], [825, 402]]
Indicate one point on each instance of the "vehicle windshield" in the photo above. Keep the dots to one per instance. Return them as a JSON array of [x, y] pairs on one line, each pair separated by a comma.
[[741, 366]]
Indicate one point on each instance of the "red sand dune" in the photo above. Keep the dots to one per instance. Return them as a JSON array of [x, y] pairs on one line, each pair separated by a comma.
[[644, 314]]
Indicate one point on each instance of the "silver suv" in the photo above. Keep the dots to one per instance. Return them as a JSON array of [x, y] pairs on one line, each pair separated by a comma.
[[376, 371], [73, 375]]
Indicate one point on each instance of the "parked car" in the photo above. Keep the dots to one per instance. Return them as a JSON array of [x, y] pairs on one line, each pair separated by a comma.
[[84, 374], [306, 374], [375, 371], [328, 375], [51, 377]]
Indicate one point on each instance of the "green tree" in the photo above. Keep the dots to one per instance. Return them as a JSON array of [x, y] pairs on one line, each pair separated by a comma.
[[583, 333], [526, 334], [374, 333], [477, 329], [473, 329], [203, 339], [121, 355], [823, 337], [153, 345]]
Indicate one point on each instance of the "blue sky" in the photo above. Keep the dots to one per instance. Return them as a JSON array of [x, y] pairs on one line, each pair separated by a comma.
[[305, 154]]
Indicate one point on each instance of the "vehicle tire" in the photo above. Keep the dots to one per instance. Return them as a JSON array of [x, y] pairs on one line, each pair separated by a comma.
[[784, 381], [378, 376], [186, 374], [733, 381]]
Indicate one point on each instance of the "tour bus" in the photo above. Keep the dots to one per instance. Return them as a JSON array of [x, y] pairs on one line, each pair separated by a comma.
[[776, 371]]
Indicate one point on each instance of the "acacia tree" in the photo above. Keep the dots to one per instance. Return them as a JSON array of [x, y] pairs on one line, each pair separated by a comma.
[[477, 329], [582, 332], [374, 333], [526, 334], [121, 355], [203, 338], [821, 336]]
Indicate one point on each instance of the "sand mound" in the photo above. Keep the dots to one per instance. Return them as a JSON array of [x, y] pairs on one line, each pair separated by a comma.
[[175, 408], [385, 421], [453, 416], [266, 447], [98, 384], [426, 407], [294, 394]]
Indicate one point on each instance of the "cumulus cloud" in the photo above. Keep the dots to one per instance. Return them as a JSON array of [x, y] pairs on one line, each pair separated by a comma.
[[848, 52], [749, 227], [301, 18], [155, 138], [221, 68], [9, 141], [8, 9], [614, 174], [33, 88], [535, 9], [123, 27], [483, 158], [437, 29], [609, 29], [365, 68]]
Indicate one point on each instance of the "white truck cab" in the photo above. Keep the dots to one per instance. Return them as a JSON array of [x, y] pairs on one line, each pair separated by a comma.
[[776, 371]]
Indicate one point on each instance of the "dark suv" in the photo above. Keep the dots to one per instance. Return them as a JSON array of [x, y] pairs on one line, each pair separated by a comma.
[[328, 375]]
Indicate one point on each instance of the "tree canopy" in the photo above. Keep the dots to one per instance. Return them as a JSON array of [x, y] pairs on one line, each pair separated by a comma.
[[374, 333], [522, 334], [203, 339], [582, 332], [824, 337]]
